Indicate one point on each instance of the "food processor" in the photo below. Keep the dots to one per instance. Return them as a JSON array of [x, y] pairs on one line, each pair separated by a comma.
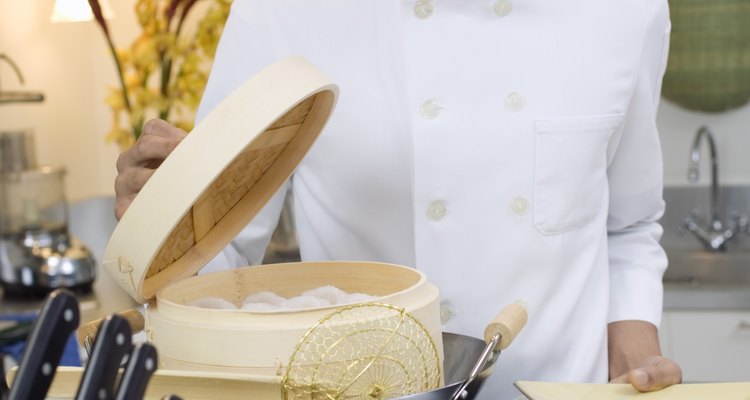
[[37, 253]]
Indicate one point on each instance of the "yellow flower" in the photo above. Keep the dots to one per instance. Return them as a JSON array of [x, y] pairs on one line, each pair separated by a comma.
[[163, 73], [186, 126], [123, 138], [145, 10], [145, 53], [114, 99]]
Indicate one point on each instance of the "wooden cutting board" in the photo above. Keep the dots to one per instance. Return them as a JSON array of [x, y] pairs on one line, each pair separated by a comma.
[[587, 391]]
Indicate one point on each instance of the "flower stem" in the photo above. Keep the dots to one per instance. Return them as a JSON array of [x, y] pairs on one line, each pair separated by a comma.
[[125, 96], [166, 72]]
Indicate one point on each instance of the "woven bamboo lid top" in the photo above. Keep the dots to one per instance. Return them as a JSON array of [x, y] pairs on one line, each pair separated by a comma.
[[219, 177]]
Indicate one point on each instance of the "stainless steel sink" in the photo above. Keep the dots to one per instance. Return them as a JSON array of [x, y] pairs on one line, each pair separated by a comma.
[[702, 267], [689, 262]]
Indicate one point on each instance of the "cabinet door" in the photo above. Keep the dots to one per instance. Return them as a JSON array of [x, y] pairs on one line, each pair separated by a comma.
[[710, 346]]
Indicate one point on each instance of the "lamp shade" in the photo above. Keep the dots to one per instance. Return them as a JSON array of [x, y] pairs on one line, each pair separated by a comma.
[[77, 10]]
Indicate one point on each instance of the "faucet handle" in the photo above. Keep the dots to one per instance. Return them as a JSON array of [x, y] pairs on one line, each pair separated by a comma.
[[687, 224], [741, 223]]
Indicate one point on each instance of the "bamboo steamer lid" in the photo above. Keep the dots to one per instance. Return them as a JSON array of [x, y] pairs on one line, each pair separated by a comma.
[[219, 177]]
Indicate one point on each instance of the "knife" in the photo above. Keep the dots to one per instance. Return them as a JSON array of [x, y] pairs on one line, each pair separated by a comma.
[[141, 365], [57, 320], [112, 344]]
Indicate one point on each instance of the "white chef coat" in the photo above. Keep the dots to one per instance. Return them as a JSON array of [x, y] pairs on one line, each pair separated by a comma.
[[507, 148]]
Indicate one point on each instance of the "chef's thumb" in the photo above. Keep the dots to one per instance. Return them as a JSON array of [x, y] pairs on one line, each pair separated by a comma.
[[656, 376]]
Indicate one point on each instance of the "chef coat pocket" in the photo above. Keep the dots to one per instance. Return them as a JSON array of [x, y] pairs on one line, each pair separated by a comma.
[[570, 170]]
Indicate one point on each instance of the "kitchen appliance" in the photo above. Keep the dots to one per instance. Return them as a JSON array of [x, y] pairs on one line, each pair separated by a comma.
[[37, 253]]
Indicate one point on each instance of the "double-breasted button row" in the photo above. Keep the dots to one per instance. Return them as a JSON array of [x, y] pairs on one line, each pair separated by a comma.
[[424, 9], [430, 109], [437, 210]]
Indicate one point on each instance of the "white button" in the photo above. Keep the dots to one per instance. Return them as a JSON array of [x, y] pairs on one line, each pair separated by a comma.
[[446, 312], [423, 9], [519, 206], [429, 109], [515, 102], [502, 8], [436, 211]]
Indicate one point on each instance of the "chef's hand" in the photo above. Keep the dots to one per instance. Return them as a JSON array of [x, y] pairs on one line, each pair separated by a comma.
[[136, 165], [635, 358]]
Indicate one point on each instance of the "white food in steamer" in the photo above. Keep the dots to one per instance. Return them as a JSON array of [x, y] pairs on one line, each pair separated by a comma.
[[213, 302], [266, 297], [323, 296]]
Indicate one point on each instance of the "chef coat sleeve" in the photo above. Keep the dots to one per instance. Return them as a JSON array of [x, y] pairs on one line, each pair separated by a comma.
[[637, 260], [241, 54]]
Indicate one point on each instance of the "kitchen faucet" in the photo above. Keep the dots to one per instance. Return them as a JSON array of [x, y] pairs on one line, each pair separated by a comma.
[[714, 237]]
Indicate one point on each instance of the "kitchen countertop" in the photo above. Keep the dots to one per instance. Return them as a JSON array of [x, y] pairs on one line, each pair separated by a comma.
[[106, 298], [706, 297]]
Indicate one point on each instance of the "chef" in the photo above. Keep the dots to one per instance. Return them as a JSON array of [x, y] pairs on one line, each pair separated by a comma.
[[507, 148]]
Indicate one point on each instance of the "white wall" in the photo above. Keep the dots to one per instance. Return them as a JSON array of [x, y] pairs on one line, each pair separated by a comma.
[[71, 64]]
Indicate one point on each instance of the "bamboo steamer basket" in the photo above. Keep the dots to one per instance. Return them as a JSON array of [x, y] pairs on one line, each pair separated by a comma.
[[190, 338], [196, 202]]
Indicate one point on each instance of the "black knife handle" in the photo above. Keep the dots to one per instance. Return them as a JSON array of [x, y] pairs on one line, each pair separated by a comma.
[[141, 365], [112, 343], [57, 320]]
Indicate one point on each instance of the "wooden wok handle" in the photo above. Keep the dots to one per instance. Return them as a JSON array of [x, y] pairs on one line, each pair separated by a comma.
[[135, 320], [508, 323]]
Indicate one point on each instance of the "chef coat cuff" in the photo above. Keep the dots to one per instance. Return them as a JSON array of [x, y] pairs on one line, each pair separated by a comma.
[[636, 294]]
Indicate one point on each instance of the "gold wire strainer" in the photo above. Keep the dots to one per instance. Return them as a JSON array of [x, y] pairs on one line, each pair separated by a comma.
[[368, 351]]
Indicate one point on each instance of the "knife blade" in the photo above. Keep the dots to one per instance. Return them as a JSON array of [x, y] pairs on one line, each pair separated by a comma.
[[4, 389], [113, 342], [141, 365], [57, 320]]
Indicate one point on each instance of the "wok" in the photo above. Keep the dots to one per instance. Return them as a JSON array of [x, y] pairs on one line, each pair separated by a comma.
[[469, 361]]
